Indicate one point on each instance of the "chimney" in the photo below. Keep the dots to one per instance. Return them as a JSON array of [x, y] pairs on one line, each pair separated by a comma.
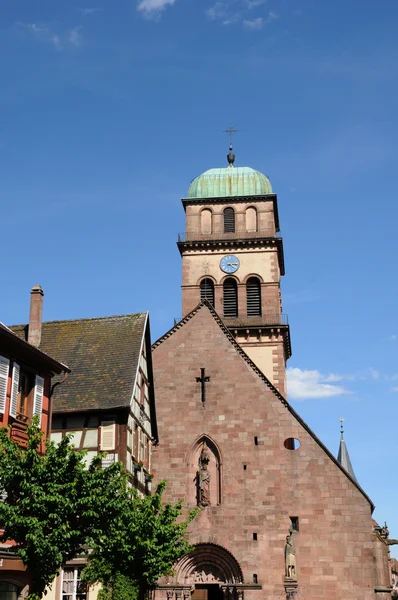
[[35, 317]]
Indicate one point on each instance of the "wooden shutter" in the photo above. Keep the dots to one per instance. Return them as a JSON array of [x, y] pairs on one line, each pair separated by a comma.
[[38, 398], [108, 434], [229, 220], [207, 290], [4, 370], [230, 298], [253, 297], [14, 390]]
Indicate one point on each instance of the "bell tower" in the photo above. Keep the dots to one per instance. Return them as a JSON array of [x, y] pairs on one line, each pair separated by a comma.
[[232, 254]]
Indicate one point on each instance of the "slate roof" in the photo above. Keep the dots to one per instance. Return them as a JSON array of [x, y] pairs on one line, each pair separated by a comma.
[[344, 458], [103, 355]]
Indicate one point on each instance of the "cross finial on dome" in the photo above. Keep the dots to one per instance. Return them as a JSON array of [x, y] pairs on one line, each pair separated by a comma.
[[230, 156]]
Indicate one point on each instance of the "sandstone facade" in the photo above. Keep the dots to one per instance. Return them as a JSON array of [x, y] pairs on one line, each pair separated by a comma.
[[260, 485]]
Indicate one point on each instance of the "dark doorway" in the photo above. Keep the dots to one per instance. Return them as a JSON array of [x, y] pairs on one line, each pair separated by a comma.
[[207, 592]]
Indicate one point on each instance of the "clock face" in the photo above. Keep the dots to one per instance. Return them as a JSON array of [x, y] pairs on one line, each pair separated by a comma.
[[229, 263]]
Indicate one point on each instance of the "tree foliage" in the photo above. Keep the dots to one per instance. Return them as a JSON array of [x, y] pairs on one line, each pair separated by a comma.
[[121, 588], [142, 544], [54, 505]]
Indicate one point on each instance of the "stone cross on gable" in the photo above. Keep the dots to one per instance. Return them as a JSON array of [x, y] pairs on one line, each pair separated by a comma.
[[203, 379]]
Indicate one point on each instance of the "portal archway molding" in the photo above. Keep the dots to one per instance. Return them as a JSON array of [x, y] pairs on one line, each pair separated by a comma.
[[208, 563]]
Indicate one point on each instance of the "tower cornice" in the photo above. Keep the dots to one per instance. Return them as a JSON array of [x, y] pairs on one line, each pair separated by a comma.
[[238, 328]]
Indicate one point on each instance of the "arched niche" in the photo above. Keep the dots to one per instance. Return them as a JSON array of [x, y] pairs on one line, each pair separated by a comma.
[[208, 563], [214, 467], [206, 221], [251, 219]]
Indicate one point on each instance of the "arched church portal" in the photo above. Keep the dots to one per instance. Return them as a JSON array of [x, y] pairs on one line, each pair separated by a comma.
[[211, 573]]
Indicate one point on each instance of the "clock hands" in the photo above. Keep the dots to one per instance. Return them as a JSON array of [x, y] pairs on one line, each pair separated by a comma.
[[229, 264]]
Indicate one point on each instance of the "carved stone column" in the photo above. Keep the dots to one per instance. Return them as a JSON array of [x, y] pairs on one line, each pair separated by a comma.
[[226, 592]]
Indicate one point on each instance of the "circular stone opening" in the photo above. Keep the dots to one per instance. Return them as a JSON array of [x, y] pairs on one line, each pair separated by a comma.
[[292, 444]]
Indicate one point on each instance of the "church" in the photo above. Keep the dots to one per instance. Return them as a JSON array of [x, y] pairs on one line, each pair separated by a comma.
[[280, 516], [206, 409]]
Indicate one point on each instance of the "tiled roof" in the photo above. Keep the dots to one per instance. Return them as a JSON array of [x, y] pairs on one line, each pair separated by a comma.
[[28, 351], [103, 355]]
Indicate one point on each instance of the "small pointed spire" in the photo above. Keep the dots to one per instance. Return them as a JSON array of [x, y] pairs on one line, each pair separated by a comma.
[[343, 457]]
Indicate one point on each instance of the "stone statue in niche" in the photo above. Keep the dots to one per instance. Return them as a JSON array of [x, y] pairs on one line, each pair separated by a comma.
[[290, 557], [203, 478]]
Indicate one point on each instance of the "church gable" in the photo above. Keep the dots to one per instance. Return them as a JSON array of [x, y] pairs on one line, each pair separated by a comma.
[[228, 444], [207, 385]]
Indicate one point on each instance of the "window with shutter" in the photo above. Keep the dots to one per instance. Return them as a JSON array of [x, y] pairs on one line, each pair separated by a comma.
[[4, 370], [229, 220], [108, 435], [253, 297], [230, 298], [14, 390], [38, 397], [207, 290]]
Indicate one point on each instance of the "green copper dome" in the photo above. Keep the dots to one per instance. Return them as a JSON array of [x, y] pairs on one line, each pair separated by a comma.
[[230, 181]]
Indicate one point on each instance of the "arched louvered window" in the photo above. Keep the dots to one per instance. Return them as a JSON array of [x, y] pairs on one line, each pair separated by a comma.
[[230, 298], [253, 297], [229, 220], [207, 290]]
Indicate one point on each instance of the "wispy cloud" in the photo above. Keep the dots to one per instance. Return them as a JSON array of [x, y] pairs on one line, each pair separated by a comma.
[[74, 37], [393, 337], [254, 3], [305, 384], [373, 373], [89, 11], [153, 7], [238, 11], [217, 11], [257, 23], [44, 33]]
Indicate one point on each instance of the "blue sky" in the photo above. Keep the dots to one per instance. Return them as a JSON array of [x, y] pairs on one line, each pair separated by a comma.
[[109, 109]]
